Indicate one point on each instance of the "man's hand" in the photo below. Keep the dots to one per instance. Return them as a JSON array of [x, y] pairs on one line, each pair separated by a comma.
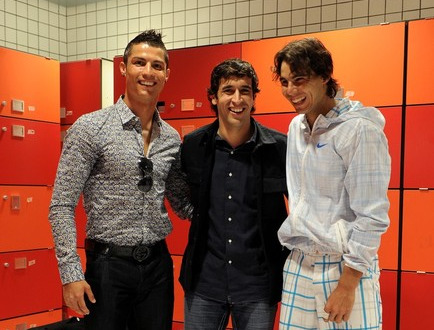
[[340, 303], [73, 294]]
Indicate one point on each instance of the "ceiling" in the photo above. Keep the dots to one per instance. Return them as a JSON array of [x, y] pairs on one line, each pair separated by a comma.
[[71, 3]]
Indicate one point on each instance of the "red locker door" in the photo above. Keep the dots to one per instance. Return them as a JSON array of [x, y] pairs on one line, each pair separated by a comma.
[[388, 284], [80, 89], [30, 283], [417, 301], [29, 88], [185, 92], [32, 321], [418, 229], [24, 218], [419, 147], [30, 151], [388, 252], [392, 130]]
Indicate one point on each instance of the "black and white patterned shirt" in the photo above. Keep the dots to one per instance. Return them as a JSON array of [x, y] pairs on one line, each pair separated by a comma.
[[100, 159]]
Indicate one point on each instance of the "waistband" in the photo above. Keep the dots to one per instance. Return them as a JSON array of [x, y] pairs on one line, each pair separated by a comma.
[[139, 253]]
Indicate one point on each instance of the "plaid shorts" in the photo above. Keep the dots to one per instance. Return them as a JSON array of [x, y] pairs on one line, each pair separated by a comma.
[[307, 283]]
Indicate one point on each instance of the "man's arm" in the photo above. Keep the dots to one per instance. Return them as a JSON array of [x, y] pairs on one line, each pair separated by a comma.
[[177, 190], [74, 167]]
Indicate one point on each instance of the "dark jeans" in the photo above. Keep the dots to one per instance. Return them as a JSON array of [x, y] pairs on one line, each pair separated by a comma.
[[129, 294], [204, 314]]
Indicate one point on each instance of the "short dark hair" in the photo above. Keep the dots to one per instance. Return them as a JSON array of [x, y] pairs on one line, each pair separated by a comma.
[[307, 57], [150, 37], [233, 67]]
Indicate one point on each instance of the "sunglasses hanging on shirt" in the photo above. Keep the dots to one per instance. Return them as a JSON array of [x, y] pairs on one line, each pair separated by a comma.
[[146, 165]]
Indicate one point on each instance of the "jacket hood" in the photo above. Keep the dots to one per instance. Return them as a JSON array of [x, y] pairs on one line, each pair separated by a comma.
[[346, 109]]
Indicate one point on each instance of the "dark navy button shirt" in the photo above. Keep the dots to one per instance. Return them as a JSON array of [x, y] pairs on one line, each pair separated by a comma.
[[234, 267]]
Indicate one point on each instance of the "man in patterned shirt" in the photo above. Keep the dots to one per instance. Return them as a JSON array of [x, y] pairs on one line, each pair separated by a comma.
[[338, 171], [125, 160]]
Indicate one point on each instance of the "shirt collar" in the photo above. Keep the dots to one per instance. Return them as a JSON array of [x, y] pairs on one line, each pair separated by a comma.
[[130, 120]]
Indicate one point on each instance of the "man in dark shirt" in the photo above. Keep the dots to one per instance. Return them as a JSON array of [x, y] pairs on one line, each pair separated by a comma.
[[236, 172]]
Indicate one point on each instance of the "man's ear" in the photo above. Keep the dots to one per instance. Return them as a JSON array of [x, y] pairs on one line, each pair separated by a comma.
[[213, 99], [167, 74], [123, 69]]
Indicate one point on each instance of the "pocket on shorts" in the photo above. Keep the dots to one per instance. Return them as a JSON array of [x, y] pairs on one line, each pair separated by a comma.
[[341, 236]]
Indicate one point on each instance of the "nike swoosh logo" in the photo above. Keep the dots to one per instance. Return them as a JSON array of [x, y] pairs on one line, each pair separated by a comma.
[[319, 145]]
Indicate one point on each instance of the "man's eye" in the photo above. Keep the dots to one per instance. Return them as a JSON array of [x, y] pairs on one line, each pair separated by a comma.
[[284, 83], [297, 81], [158, 66]]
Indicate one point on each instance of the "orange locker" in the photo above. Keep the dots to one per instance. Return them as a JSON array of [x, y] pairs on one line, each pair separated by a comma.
[[29, 283], [178, 313], [420, 71], [79, 79], [388, 285], [185, 126], [418, 231], [30, 151], [278, 121], [177, 239], [356, 61], [419, 147], [30, 87], [32, 321], [388, 252], [24, 218], [392, 130], [417, 301]]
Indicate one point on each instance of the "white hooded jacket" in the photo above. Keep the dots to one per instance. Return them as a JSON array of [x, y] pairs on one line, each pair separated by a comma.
[[338, 175]]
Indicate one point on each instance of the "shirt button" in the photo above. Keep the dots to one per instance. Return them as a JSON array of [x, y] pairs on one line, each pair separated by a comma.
[[229, 219], [232, 152], [230, 241], [230, 174], [230, 196], [230, 262]]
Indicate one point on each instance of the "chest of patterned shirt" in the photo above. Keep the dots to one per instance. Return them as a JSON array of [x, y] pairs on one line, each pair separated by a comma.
[[100, 159]]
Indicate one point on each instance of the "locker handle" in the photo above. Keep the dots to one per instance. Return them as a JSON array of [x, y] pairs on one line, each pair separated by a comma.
[[6, 264], [4, 103], [4, 128], [5, 197]]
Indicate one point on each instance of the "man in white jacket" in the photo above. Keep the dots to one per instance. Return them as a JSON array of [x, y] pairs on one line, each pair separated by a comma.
[[338, 171]]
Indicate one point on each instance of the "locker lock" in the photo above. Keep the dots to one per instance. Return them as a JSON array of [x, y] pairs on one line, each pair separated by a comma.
[[6, 264], [4, 103], [5, 197], [4, 128]]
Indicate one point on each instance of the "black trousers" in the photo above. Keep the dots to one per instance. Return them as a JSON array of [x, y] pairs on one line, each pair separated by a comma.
[[130, 294]]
